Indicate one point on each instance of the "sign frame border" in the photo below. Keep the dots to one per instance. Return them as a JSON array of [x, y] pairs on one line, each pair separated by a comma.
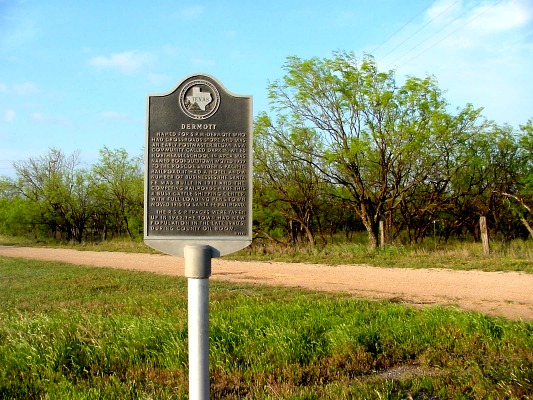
[[220, 245]]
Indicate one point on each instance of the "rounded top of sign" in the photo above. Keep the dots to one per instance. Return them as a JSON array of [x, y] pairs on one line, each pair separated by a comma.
[[199, 99]]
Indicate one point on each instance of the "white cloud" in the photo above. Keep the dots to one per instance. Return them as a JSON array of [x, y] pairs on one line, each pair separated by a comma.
[[18, 29], [39, 117], [480, 53], [47, 119], [191, 12], [443, 10], [158, 79], [9, 115], [501, 17], [230, 34], [25, 88], [114, 115], [484, 25], [126, 62], [22, 89], [202, 62]]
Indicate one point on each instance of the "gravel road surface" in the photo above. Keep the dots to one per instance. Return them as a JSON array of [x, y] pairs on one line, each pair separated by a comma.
[[507, 294]]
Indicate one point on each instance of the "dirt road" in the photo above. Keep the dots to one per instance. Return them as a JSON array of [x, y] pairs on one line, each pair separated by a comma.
[[508, 294]]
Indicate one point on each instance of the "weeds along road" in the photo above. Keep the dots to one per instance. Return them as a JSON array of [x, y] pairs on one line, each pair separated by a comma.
[[507, 294]]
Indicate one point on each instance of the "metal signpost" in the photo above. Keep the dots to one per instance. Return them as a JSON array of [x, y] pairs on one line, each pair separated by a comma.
[[198, 192]]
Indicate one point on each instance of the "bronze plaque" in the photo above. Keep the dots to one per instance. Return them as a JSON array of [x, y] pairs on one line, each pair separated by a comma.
[[198, 168]]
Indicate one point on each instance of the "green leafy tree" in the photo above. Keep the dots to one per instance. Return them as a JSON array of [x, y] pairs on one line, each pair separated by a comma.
[[520, 193], [378, 140], [287, 179], [119, 181], [60, 189], [18, 216], [448, 183]]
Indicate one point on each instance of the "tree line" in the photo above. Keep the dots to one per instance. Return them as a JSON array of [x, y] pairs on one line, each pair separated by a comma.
[[53, 197], [345, 147]]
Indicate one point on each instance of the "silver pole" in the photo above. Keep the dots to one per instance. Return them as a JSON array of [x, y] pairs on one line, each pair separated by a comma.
[[198, 271]]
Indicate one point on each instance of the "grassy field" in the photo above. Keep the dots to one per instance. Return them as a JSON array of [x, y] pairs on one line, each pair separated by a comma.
[[69, 332], [514, 256]]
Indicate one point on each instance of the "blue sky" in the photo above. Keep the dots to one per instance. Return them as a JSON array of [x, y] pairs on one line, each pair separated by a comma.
[[75, 74]]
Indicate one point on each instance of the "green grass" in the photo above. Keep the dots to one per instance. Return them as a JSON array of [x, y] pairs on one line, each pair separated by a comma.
[[69, 332], [514, 256], [121, 244]]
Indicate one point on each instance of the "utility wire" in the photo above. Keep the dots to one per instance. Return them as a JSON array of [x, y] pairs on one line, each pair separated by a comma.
[[399, 30], [8, 164], [422, 27], [452, 32], [436, 33]]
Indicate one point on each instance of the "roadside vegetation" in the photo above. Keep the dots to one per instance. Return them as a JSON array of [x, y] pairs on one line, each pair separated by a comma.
[[345, 148], [516, 255], [351, 166], [77, 332]]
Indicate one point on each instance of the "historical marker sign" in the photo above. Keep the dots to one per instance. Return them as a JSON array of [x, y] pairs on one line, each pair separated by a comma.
[[198, 168]]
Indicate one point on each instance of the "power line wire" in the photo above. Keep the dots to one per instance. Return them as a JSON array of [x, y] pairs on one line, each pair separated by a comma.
[[436, 33], [452, 32], [401, 28], [423, 26]]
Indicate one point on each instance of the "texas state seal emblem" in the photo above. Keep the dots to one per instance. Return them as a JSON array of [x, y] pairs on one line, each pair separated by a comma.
[[199, 99]]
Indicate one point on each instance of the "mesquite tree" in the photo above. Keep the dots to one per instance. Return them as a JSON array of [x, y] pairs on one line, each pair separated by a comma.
[[62, 191], [378, 139], [119, 186], [286, 178]]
